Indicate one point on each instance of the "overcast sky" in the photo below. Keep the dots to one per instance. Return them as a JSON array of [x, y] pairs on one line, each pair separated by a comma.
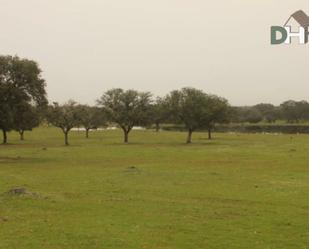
[[85, 47]]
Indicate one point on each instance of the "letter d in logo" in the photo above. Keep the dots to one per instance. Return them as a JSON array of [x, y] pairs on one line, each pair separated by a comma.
[[274, 31]]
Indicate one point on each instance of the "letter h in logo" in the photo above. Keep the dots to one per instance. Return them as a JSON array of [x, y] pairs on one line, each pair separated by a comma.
[[302, 35]]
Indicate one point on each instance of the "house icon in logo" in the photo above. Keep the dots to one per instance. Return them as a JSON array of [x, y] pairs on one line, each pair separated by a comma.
[[302, 19]]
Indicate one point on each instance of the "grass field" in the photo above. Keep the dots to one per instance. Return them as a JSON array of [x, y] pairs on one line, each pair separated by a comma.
[[237, 191]]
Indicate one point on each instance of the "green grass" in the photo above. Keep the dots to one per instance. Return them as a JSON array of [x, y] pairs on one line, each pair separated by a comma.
[[237, 191]]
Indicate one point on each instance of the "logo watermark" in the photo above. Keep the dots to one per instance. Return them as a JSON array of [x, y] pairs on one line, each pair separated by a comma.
[[284, 34]]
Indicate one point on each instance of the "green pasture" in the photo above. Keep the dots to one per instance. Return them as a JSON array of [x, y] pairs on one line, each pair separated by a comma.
[[236, 191]]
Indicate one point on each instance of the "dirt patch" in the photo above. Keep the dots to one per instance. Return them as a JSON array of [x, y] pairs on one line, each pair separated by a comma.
[[3, 219], [18, 191], [22, 191], [133, 169]]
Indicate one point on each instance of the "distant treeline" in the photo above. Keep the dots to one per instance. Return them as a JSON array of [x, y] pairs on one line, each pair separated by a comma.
[[24, 105], [289, 111]]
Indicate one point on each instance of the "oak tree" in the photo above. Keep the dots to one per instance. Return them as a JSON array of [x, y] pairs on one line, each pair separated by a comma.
[[65, 117], [127, 108]]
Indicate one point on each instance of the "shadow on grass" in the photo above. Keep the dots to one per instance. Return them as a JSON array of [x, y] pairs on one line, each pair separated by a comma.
[[22, 144], [173, 144], [4, 160]]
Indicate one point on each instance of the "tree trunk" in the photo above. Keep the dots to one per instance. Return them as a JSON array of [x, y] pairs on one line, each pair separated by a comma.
[[21, 133], [189, 138], [66, 138], [157, 127], [5, 139], [126, 136], [87, 133], [209, 134]]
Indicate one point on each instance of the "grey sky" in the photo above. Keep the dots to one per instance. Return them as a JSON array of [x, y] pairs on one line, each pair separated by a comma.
[[223, 47]]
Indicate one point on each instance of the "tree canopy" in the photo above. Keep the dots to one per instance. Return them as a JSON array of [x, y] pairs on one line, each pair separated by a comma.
[[26, 118], [295, 111], [189, 107], [90, 117], [65, 117], [219, 111], [127, 108], [21, 84], [160, 112]]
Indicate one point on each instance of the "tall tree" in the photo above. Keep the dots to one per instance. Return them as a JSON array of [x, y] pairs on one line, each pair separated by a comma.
[[20, 82], [90, 118], [127, 108], [189, 106], [160, 112], [26, 118], [65, 117], [218, 112]]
